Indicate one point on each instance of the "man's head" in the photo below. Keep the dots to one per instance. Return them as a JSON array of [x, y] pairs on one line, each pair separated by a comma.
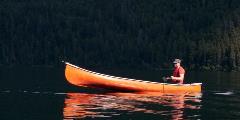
[[177, 62]]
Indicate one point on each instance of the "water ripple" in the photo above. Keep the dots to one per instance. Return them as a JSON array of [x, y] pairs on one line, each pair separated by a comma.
[[224, 93]]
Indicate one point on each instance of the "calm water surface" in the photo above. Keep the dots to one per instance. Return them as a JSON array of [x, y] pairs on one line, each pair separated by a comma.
[[37, 93]]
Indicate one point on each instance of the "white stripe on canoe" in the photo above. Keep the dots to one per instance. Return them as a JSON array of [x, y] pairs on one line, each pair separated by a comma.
[[193, 84]]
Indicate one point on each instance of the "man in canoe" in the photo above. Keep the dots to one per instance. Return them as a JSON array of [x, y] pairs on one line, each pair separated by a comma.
[[178, 73]]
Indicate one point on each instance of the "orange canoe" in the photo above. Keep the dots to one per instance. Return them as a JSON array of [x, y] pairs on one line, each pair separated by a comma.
[[85, 78]]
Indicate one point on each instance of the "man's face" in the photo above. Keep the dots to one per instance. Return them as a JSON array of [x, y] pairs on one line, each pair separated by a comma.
[[176, 64]]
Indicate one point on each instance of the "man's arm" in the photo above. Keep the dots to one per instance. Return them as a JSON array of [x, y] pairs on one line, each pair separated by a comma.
[[180, 79]]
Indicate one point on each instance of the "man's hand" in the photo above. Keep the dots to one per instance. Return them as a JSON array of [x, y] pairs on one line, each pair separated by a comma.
[[168, 78]]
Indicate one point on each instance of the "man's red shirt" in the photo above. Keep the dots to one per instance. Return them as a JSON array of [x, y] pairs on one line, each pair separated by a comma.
[[177, 71]]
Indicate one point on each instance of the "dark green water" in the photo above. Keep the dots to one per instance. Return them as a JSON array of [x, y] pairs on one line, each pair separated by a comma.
[[37, 93]]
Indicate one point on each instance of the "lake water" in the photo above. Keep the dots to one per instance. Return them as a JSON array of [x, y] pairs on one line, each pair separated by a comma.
[[42, 93]]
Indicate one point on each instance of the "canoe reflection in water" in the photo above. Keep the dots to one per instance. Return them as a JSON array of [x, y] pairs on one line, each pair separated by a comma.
[[169, 106]]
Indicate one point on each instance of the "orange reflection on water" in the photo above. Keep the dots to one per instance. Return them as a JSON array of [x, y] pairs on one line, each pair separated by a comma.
[[74, 105], [82, 105]]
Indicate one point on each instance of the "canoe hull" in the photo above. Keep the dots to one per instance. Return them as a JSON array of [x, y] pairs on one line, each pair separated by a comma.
[[84, 78]]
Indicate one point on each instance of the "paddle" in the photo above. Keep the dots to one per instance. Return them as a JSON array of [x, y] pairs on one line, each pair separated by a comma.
[[165, 79]]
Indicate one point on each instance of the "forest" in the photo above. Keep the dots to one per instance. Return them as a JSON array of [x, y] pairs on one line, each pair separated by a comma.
[[146, 34]]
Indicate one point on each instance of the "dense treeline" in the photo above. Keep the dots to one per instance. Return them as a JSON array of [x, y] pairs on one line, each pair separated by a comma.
[[121, 33]]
